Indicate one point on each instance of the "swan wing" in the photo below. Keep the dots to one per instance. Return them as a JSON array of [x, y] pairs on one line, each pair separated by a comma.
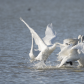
[[63, 61], [66, 50], [38, 40], [71, 41], [50, 35], [33, 52], [79, 46]]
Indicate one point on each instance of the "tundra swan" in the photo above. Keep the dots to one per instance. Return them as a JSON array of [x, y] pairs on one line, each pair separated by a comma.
[[68, 55], [49, 39], [65, 45], [45, 50]]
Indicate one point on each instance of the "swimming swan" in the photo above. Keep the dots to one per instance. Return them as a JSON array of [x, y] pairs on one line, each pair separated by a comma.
[[68, 54], [64, 47], [45, 51]]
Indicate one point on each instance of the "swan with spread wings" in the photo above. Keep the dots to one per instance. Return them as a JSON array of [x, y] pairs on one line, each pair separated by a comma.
[[44, 49], [70, 53]]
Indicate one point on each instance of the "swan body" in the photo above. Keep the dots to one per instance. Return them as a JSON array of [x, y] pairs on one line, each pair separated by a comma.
[[66, 42], [70, 58], [45, 51], [65, 48], [68, 55], [64, 51]]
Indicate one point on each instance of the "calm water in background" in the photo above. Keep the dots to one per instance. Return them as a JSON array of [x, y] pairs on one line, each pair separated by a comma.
[[67, 17]]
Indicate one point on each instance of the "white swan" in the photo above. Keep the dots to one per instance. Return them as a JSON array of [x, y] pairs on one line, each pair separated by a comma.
[[66, 42], [45, 51], [49, 39], [70, 57], [64, 47], [69, 54], [80, 48]]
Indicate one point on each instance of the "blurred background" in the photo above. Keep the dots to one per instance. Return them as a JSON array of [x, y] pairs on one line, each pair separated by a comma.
[[67, 17]]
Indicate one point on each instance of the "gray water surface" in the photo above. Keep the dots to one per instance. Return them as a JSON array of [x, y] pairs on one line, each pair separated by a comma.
[[67, 17]]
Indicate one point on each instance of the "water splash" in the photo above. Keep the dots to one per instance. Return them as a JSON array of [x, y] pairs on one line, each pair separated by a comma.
[[40, 65], [53, 66]]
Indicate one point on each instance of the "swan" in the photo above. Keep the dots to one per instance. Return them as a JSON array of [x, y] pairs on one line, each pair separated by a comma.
[[66, 42], [80, 48], [69, 54], [44, 49], [65, 45], [49, 39]]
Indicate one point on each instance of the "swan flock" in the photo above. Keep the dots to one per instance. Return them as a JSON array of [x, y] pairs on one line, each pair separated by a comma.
[[72, 50]]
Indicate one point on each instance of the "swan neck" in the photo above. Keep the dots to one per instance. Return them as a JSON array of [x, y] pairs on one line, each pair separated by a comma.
[[32, 45], [79, 38], [82, 39], [52, 48]]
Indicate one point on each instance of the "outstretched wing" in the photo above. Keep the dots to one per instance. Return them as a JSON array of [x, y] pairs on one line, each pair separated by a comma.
[[38, 40], [71, 41], [79, 46], [64, 60], [65, 51], [50, 35]]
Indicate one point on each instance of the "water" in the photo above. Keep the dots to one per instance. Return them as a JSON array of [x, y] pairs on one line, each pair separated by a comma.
[[67, 17]]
